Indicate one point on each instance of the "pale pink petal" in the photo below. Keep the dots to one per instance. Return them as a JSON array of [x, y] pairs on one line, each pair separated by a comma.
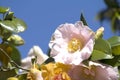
[[61, 38], [94, 71], [86, 51]]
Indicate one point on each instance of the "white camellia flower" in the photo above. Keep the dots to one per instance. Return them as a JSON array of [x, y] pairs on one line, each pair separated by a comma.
[[72, 43], [34, 51], [94, 71]]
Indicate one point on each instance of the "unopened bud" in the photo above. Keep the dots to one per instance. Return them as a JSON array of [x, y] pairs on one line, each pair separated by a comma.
[[16, 40], [99, 33], [12, 78]]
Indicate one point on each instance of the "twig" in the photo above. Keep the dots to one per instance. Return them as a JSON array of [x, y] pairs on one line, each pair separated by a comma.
[[12, 61], [7, 69]]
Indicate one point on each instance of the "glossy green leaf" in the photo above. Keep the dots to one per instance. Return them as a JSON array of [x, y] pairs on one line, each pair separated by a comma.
[[9, 16], [3, 10], [11, 51], [102, 50], [15, 25], [98, 55], [114, 41], [15, 40], [83, 19]]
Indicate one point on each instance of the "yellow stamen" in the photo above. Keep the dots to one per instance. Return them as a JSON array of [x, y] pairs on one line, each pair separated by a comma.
[[74, 45]]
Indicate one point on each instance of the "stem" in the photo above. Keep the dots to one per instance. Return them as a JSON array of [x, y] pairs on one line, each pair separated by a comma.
[[6, 69], [12, 61]]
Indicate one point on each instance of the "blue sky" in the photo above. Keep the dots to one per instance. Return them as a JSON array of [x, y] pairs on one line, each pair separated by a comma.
[[44, 16]]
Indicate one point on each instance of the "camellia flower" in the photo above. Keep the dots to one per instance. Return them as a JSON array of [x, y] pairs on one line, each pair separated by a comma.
[[94, 71], [35, 51], [72, 43], [55, 71]]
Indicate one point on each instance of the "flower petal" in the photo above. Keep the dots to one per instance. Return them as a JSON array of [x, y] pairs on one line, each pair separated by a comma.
[[34, 51], [94, 71], [72, 43]]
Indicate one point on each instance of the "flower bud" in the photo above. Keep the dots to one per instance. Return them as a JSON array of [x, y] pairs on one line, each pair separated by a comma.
[[12, 78], [99, 33]]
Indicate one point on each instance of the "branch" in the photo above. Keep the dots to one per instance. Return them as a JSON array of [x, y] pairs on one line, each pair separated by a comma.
[[12, 61]]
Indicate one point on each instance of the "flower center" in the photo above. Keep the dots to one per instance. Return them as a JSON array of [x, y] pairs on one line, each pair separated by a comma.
[[74, 44]]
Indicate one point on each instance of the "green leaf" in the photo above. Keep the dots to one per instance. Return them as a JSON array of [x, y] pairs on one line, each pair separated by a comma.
[[3, 10], [6, 50], [102, 50], [114, 41], [113, 23], [9, 16], [15, 40], [15, 25], [112, 3], [83, 19], [6, 74], [116, 50], [113, 62], [102, 45], [98, 55], [15, 55], [11, 51], [4, 34], [23, 77], [115, 44]]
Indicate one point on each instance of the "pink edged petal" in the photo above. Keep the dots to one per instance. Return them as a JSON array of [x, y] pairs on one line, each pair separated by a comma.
[[85, 31], [68, 30]]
